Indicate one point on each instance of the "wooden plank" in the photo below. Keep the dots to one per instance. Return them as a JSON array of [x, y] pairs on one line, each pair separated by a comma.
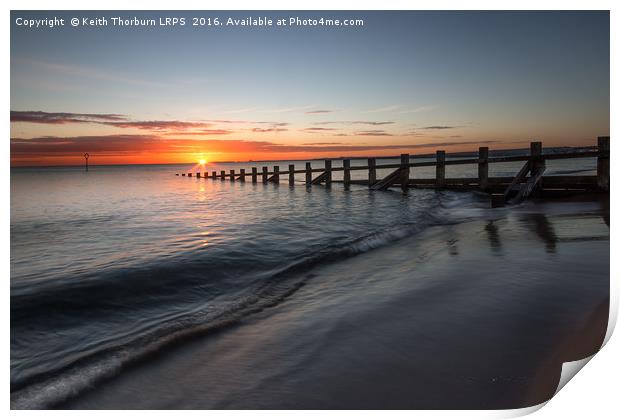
[[537, 160], [275, 178], [372, 171], [319, 179], [388, 181], [602, 164], [328, 173], [404, 171], [308, 173], [517, 180], [346, 164], [291, 175], [529, 186], [440, 171], [483, 168]]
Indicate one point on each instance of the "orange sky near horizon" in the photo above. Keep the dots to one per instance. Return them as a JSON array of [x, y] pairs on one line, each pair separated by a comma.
[[61, 139]]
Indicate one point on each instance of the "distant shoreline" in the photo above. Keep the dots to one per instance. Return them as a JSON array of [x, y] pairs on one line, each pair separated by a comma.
[[492, 153]]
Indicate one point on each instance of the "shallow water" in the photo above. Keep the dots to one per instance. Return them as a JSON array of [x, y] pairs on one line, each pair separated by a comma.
[[109, 265]]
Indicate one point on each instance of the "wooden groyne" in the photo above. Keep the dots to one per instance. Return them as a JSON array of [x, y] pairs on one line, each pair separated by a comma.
[[528, 181]]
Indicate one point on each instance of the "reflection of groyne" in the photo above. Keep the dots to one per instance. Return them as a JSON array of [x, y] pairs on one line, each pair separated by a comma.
[[530, 180]]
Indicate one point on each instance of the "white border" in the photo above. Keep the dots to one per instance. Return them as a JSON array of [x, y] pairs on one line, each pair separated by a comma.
[[591, 394]]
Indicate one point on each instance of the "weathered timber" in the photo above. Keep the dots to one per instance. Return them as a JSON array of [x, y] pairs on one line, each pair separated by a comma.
[[319, 179], [440, 171], [308, 173], [291, 175], [528, 186], [275, 178], [388, 181], [519, 178], [372, 171], [602, 164], [404, 171], [503, 190], [328, 173], [483, 168]]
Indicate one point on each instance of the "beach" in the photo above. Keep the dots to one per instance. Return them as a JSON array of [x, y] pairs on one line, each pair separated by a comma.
[[474, 315]]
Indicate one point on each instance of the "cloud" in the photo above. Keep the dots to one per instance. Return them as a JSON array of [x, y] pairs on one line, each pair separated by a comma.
[[354, 123], [40, 117], [438, 127], [327, 143], [373, 133], [158, 125], [320, 111], [318, 129], [268, 130], [215, 132]]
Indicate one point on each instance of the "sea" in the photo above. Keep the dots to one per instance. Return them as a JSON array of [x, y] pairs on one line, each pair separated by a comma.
[[112, 265]]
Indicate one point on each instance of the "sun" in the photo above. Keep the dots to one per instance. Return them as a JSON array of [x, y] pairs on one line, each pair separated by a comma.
[[202, 161]]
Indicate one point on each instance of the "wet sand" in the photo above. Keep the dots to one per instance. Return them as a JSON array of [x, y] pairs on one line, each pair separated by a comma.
[[478, 315]]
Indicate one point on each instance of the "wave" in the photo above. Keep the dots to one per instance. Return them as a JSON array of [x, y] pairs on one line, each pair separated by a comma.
[[267, 288], [54, 387]]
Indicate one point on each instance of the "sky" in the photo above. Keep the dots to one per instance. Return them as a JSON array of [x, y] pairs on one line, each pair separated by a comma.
[[403, 82]]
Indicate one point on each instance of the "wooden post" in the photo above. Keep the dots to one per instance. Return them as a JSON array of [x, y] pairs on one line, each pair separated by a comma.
[[223, 175], [276, 174], [214, 174], [265, 174], [346, 164], [440, 170], [242, 175], [372, 171], [535, 153], [189, 174], [232, 175], [328, 173], [404, 169], [602, 164], [206, 174], [291, 175], [536, 162], [308, 173], [483, 168], [254, 175], [198, 174]]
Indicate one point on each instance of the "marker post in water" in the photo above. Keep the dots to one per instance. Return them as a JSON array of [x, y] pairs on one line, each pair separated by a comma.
[[86, 155]]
